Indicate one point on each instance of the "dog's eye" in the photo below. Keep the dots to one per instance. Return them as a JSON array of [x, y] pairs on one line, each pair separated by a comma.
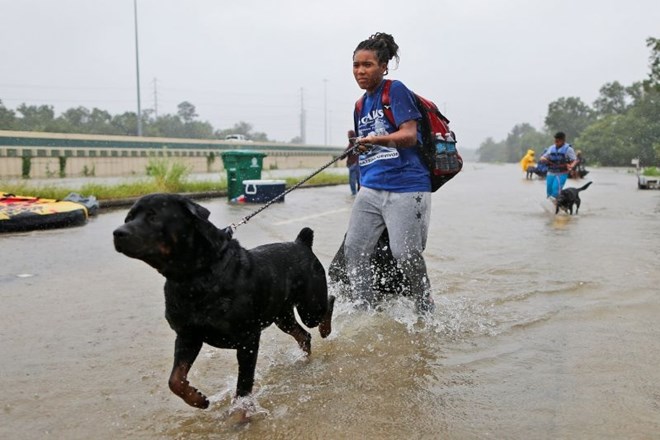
[[151, 215]]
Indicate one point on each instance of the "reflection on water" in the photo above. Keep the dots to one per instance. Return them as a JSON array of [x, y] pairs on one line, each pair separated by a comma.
[[546, 327]]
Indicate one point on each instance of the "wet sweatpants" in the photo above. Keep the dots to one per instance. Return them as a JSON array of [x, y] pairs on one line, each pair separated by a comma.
[[406, 216]]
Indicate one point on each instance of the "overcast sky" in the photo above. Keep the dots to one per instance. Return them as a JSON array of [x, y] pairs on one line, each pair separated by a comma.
[[487, 64]]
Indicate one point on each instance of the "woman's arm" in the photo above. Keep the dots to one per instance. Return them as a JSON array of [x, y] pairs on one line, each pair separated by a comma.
[[404, 137]]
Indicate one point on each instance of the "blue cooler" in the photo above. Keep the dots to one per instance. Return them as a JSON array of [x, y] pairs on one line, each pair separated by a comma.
[[262, 191]]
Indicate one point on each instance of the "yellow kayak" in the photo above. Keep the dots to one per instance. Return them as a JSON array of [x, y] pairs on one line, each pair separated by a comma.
[[26, 213]]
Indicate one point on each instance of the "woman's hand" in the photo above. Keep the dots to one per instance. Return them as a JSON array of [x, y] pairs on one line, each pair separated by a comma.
[[365, 143], [405, 136]]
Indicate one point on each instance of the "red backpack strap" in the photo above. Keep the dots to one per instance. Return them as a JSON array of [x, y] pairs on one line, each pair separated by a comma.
[[387, 108], [358, 105], [385, 99], [356, 113]]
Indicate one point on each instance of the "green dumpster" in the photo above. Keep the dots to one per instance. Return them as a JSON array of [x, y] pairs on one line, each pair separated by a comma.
[[241, 165]]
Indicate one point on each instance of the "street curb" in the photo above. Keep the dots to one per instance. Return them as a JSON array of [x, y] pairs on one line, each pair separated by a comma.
[[129, 201]]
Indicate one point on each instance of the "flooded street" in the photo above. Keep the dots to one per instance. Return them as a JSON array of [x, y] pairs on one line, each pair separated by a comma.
[[546, 327]]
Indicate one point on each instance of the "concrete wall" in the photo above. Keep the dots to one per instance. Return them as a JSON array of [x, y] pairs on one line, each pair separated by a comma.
[[49, 167], [118, 156]]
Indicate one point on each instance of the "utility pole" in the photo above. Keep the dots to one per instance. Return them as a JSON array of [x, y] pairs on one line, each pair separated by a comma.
[[302, 117], [137, 71], [156, 98], [325, 111]]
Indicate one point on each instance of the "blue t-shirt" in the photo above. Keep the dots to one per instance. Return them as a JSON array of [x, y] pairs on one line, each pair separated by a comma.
[[388, 168]]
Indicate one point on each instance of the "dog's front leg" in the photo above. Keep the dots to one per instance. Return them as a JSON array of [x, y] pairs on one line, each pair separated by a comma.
[[247, 362], [288, 324], [185, 353]]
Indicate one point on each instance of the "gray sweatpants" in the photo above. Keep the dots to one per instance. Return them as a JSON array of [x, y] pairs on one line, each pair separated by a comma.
[[406, 216]]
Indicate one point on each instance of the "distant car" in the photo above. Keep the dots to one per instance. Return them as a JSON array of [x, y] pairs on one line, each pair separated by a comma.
[[237, 138], [648, 182], [645, 182]]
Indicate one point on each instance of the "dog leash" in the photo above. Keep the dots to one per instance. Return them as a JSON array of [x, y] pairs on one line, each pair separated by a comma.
[[231, 228]]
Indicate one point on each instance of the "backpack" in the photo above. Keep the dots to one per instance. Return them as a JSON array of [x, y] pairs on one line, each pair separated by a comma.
[[433, 123]]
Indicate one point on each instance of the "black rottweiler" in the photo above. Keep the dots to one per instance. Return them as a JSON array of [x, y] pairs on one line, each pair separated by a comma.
[[569, 197], [219, 293]]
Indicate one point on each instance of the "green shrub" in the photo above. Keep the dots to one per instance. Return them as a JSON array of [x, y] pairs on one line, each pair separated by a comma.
[[210, 159], [169, 176], [26, 167], [651, 171], [89, 172], [147, 186], [62, 166], [320, 179]]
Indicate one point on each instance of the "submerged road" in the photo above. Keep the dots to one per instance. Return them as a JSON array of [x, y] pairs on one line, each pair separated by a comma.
[[546, 327]]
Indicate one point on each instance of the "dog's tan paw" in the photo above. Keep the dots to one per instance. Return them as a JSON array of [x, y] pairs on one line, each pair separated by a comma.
[[198, 400]]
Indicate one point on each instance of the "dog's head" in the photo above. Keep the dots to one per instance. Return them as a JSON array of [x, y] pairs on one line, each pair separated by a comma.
[[565, 197], [170, 233]]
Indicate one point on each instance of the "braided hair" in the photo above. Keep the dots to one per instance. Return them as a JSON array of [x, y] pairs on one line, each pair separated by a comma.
[[383, 45]]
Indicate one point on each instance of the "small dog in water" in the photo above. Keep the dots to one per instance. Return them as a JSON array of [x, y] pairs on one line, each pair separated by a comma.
[[219, 293], [569, 197]]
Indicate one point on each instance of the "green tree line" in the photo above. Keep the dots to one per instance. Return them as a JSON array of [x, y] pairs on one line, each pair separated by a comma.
[[621, 124], [183, 124]]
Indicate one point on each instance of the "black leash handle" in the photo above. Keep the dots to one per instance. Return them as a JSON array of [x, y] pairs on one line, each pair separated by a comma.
[[231, 228]]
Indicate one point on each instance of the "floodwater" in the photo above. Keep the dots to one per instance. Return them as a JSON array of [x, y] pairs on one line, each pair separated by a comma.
[[546, 328]]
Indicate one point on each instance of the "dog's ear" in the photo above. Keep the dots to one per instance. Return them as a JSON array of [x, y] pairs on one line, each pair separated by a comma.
[[197, 210], [206, 229]]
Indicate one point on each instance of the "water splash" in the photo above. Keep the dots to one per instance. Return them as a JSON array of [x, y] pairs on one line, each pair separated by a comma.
[[245, 409]]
